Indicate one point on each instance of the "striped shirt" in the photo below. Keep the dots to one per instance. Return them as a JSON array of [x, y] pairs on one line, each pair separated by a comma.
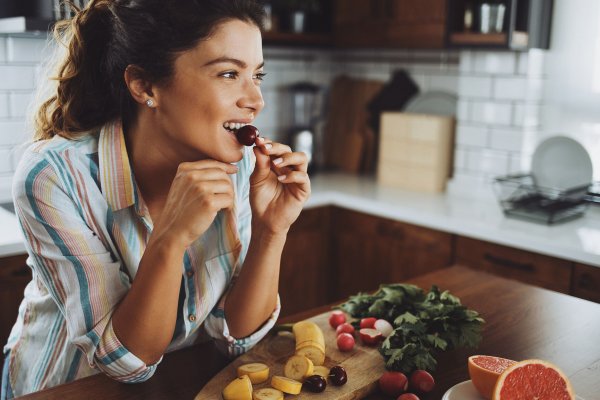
[[86, 228]]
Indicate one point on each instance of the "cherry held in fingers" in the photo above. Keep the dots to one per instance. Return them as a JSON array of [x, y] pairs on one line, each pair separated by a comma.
[[247, 135]]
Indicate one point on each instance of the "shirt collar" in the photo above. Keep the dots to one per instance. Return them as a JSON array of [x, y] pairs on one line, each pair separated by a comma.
[[116, 177]]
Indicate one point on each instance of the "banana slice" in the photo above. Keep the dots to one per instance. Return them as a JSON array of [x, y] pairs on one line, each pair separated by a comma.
[[257, 372], [267, 394], [298, 367], [313, 353], [286, 385], [238, 389], [321, 370], [307, 343]]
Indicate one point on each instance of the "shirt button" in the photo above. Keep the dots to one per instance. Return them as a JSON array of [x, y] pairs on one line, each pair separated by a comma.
[[189, 273], [192, 317]]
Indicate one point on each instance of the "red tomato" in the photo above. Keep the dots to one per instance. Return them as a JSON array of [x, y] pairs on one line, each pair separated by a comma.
[[408, 396]]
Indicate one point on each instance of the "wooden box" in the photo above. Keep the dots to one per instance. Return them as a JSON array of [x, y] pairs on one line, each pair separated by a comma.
[[415, 151]]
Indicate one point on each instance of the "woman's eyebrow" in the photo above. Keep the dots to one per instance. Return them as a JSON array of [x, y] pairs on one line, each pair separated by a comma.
[[231, 60]]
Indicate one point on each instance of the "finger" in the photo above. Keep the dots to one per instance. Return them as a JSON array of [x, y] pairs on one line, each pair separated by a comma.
[[262, 166], [277, 149], [198, 175], [218, 201], [298, 177], [207, 164], [208, 188], [296, 160]]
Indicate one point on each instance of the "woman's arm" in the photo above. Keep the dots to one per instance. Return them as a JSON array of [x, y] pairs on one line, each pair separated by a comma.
[[144, 321], [279, 187]]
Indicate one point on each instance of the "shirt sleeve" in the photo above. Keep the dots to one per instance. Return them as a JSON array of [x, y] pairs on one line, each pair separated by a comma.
[[82, 275], [216, 324]]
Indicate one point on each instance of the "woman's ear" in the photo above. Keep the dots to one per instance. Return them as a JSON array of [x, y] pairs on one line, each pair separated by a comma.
[[139, 87]]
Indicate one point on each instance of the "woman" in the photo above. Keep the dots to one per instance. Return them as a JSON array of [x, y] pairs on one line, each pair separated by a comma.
[[147, 224]]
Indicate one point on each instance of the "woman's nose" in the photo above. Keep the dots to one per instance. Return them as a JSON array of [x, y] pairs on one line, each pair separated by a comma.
[[252, 98]]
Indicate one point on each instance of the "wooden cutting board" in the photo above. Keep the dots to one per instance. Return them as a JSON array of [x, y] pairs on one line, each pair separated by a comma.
[[364, 365]]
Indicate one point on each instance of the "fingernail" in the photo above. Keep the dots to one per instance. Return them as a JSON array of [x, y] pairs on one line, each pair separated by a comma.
[[268, 146], [278, 161], [260, 139], [281, 177]]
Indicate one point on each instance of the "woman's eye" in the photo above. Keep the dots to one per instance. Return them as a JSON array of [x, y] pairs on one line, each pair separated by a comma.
[[229, 75], [260, 76]]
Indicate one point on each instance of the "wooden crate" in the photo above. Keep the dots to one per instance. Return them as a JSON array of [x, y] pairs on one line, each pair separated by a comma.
[[415, 151]]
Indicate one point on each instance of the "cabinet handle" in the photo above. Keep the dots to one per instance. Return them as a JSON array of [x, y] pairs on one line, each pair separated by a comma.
[[585, 282], [509, 263]]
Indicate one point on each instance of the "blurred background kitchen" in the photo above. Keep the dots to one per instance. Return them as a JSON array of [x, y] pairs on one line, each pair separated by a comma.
[[449, 115]]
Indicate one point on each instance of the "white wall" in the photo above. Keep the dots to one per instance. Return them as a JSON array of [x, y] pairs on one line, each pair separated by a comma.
[[572, 92]]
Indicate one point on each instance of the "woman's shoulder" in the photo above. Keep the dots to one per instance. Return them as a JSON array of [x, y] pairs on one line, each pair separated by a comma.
[[59, 153]]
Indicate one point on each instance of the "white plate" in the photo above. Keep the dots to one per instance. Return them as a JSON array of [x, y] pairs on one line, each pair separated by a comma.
[[462, 391], [466, 391], [560, 162], [436, 103]]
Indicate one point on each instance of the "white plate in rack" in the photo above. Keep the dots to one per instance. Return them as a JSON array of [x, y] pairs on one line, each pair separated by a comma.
[[560, 162], [466, 391]]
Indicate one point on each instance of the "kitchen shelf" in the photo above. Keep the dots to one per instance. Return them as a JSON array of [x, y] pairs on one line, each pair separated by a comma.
[[526, 25]]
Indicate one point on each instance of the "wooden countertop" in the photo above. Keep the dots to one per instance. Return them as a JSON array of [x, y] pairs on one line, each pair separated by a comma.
[[522, 322]]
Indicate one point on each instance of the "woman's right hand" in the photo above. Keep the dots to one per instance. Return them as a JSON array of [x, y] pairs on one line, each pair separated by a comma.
[[200, 189]]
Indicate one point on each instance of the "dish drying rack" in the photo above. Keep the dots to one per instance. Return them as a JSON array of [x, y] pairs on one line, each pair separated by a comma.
[[520, 197]]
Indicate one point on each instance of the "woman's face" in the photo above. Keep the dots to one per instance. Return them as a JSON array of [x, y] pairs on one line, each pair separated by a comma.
[[215, 83]]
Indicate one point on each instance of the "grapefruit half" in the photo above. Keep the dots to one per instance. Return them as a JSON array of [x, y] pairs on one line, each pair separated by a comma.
[[485, 371], [533, 379]]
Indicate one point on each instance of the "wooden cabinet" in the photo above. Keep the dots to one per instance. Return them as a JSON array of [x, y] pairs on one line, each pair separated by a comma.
[[536, 269], [14, 276], [389, 23], [304, 280], [368, 251], [525, 24], [586, 282]]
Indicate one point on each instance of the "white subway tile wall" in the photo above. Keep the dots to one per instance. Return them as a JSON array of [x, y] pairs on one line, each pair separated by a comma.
[[19, 59], [498, 96], [498, 112]]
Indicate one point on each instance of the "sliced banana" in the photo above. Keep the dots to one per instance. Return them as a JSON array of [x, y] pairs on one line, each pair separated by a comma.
[[321, 370], [298, 367], [257, 372], [313, 353], [238, 389], [267, 394], [286, 385]]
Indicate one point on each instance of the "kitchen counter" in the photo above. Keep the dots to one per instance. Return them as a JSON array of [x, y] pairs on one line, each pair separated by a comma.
[[476, 217], [479, 218], [11, 236], [537, 323]]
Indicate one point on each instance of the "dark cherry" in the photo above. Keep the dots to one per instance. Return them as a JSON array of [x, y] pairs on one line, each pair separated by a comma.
[[315, 383], [247, 135], [338, 376]]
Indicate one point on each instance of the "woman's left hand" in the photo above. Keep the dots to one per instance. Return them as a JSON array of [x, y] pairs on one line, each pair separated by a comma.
[[279, 185]]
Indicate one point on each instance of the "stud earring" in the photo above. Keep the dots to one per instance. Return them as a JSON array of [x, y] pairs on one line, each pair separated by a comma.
[[150, 103]]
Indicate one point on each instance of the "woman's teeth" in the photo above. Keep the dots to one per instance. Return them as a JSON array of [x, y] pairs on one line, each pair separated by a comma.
[[233, 126]]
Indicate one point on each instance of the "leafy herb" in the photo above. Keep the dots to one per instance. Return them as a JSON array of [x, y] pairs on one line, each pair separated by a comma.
[[423, 323]]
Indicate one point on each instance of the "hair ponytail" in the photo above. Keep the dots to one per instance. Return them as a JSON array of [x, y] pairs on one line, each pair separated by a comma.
[[82, 99]]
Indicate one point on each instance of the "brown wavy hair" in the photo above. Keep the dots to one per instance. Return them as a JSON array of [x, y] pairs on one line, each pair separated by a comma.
[[106, 37]]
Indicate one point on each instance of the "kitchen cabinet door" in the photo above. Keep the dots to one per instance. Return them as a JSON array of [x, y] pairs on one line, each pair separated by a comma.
[[14, 276], [390, 23], [369, 251], [304, 280], [586, 282], [536, 269]]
